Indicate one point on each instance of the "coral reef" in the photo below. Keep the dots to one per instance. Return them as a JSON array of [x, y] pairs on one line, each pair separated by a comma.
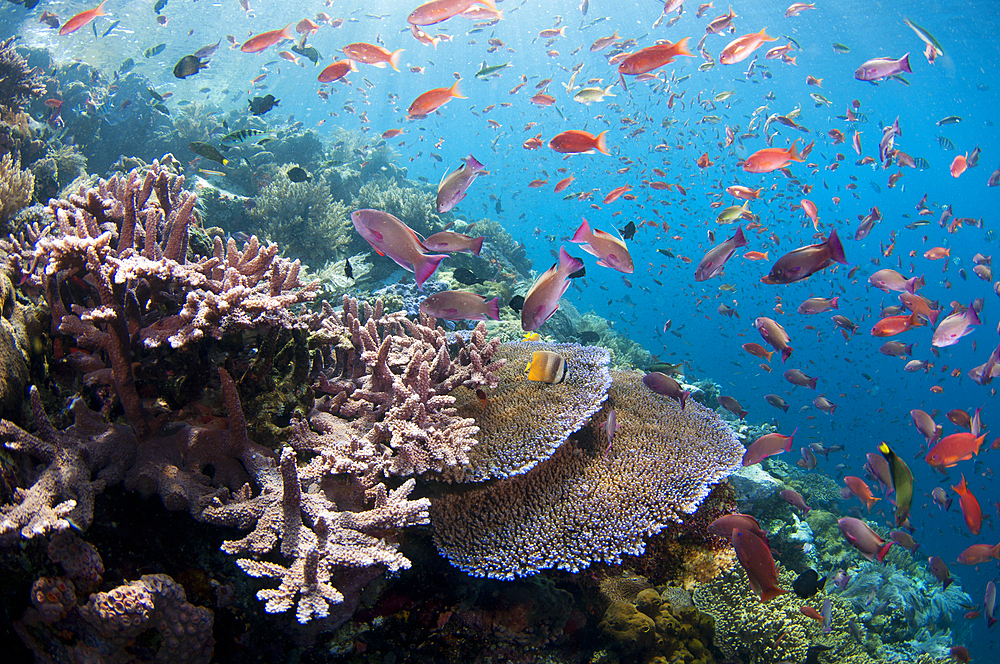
[[414, 207], [17, 187], [302, 218], [19, 82], [522, 422], [589, 501], [652, 629], [14, 351]]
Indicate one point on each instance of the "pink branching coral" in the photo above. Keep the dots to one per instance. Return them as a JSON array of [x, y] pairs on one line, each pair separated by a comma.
[[396, 381]]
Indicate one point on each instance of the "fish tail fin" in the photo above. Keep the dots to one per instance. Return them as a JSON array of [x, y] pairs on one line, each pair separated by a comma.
[[684, 398], [884, 551], [681, 48], [487, 3], [904, 63], [583, 233], [473, 163], [425, 267], [601, 144], [946, 583], [453, 90], [786, 353], [394, 61], [971, 317], [100, 11], [788, 442], [766, 37], [793, 152], [990, 622], [288, 32], [995, 551], [493, 308], [353, 66], [833, 304], [908, 349], [770, 354], [836, 248], [812, 382], [739, 240], [567, 262], [224, 161], [477, 246]]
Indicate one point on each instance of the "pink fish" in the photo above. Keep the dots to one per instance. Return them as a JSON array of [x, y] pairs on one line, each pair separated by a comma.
[[390, 237], [755, 557], [542, 299], [437, 11], [890, 280], [879, 68], [715, 258], [663, 384], [766, 445], [610, 251], [82, 19], [453, 185], [795, 499], [864, 539], [954, 327], [460, 305], [725, 525], [451, 242]]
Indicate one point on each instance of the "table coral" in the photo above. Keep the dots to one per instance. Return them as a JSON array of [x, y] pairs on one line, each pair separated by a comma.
[[522, 422], [588, 503]]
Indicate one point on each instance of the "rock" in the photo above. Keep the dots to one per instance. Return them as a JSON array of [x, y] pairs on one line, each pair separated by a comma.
[[753, 483]]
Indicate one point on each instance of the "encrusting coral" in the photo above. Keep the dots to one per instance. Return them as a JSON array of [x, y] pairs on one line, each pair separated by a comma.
[[654, 630], [594, 499]]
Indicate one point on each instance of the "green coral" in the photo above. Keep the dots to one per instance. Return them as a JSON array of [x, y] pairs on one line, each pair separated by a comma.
[[303, 219], [652, 630]]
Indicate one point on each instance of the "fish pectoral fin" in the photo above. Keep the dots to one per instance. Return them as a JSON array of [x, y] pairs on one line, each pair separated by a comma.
[[590, 250]]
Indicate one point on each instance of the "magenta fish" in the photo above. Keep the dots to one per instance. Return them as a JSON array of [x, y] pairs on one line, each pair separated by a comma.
[[879, 68], [460, 305], [766, 445], [716, 257], [726, 524], [864, 539], [390, 237], [755, 556], [610, 250], [663, 384], [890, 280], [454, 185], [451, 242], [795, 499], [954, 327], [542, 299], [800, 263]]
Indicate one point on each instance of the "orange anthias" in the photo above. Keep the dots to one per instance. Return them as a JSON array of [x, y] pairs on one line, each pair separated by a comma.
[[771, 159], [740, 48], [336, 71], [266, 39], [616, 193], [893, 325], [576, 141], [652, 57], [370, 54], [82, 19], [970, 507], [954, 448], [959, 165], [860, 489], [434, 99]]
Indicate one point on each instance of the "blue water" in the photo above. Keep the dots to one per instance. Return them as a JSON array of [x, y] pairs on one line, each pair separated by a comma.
[[873, 394]]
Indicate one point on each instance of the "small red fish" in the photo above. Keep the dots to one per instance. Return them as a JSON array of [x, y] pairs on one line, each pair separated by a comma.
[[82, 19], [266, 39], [970, 507], [575, 141]]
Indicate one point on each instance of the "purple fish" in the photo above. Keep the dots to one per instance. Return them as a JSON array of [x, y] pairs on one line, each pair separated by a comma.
[[985, 373], [800, 263], [941, 498], [610, 250], [795, 499], [725, 525], [841, 579], [766, 445], [451, 242], [990, 603], [864, 539], [390, 237], [954, 327], [663, 384], [879, 68], [940, 571], [926, 426], [611, 426], [867, 223], [454, 185], [716, 257], [904, 539], [890, 280], [460, 305], [878, 467], [827, 613], [542, 299], [817, 305], [808, 460]]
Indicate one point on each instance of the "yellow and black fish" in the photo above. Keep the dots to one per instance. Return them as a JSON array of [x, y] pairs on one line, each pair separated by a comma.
[[546, 367]]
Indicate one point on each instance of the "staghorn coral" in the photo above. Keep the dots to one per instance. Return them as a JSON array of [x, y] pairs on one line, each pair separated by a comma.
[[396, 381], [302, 218], [17, 187], [522, 422], [18, 82], [588, 503]]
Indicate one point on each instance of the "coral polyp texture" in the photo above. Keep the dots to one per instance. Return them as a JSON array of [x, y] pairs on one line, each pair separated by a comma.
[[523, 422], [591, 502]]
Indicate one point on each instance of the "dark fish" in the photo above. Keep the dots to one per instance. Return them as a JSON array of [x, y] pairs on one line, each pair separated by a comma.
[[241, 135], [666, 252], [921, 163], [799, 264], [208, 152], [126, 66], [666, 367], [516, 303], [808, 584], [261, 105], [155, 95], [160, 4], [207, 51], [348, 270], [582, 272], [30, 4], [154, 50], [812, 655], [189, 65], [307, 51], [589, 336], [297, 174], [106, 32], [628, 232], [468, 277], [945, 143]]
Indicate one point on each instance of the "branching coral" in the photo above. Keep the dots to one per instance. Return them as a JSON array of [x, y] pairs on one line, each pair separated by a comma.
[[589, 503], [17, 186], [18, 81]]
